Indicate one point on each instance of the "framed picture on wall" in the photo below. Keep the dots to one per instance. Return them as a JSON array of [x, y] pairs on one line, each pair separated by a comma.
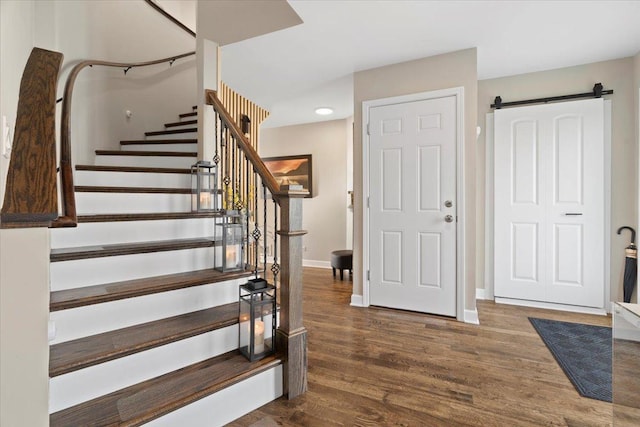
[[290, 170]]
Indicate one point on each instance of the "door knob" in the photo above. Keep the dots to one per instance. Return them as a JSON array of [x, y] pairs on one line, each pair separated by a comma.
[[448, 203], [448, 218]]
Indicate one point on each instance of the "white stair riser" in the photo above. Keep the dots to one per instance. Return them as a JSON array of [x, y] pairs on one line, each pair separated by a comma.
[[91, 320], [132, 179], [94, 271], [182, 135], [227, 405], [184, 148], [102, 233], [104, 203], [79, 386], [146, 161]]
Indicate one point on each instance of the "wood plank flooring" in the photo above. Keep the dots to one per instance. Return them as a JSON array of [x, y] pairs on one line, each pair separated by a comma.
[[380, 367]]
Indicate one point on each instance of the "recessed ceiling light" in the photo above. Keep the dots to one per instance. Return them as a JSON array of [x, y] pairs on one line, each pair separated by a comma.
[[324, 111]]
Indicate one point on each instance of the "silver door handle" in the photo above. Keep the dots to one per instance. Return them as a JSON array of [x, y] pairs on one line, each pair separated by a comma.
[[448, 218], [573, 214], [448, 203]]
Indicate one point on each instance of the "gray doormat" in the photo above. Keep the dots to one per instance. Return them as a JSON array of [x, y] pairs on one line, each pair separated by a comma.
[[583, 352]]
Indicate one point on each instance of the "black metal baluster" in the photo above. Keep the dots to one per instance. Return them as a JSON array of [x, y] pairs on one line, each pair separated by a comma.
[[216, 158], [264, 241], [227, 178], [275, 268], [256, 238]]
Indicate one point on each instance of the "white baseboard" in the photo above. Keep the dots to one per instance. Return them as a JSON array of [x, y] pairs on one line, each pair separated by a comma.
[[357, 301], [471, 316], [552, 306], [480, 294], [315, 263]]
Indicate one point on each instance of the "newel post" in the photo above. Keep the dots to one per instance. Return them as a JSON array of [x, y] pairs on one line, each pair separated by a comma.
[[291, 334]]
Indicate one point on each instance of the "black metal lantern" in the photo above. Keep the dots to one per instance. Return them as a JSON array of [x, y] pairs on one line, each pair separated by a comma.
[[257, 319], [204, 195], [230, 233]]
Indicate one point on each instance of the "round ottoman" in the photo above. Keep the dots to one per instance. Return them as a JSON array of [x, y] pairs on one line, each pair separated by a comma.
[[342, 260]]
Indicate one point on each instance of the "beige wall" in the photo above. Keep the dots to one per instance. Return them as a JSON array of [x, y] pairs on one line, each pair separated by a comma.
[[616, 75], [325, 214], [24, 315], [438, 72]]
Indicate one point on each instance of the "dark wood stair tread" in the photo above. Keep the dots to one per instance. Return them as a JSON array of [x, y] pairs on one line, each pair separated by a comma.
[[171, 132], [92, 350], [159, 216], [145, 153], [158, 141], [97, 294], [98, 251], [182, 123], [191, 114], [145, 401], [144, 169], [105, 189]]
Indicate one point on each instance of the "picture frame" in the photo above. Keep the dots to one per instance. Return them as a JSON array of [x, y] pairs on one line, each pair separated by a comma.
[[292, 170]]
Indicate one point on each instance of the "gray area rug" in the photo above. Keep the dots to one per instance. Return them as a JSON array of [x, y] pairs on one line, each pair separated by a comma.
[[583, 352]]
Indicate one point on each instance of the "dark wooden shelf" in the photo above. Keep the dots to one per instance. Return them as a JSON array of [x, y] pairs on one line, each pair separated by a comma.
[[171, 132], [191, 114], [158, 141], [182, 123], [143, 169], [97, 294], [99, 251], [145, 153], [145, 216], [92, 350], [100, 189], [143, 402]]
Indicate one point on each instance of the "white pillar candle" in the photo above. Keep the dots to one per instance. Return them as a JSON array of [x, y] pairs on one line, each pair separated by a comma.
[[259, 337], [205, 200], [232, 256]]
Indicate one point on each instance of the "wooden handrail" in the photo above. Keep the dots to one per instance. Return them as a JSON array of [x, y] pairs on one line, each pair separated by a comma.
[[69, 218], [260, 168], [170, 17], [30, 199]]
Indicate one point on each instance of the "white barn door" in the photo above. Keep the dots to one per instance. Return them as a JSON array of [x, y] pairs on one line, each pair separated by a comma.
[[550, 203], [412, 187]]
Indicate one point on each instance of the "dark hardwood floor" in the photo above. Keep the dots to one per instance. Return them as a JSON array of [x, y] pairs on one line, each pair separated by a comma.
[[380, 367]]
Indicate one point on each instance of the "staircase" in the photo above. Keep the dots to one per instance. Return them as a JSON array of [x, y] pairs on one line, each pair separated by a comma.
[[146, 328]]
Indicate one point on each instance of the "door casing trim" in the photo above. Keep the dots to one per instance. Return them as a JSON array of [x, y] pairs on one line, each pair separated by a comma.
[[458, 93]]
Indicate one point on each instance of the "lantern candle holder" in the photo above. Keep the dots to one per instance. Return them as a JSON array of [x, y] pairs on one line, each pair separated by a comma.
[[204, 194], [230, 234], [257, 319]]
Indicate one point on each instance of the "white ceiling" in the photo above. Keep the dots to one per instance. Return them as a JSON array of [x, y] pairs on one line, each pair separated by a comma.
[[292, 71]]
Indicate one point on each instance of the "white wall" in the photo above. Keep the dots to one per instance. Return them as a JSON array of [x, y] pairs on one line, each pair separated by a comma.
[[617, 75], [121, 31], [325, 214]]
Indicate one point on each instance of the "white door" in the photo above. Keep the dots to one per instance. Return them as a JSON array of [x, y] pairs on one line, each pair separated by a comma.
[[549, 203], [412, 186]]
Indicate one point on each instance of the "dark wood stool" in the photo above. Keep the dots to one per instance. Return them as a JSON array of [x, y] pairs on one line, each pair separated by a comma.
[[342, 260]]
